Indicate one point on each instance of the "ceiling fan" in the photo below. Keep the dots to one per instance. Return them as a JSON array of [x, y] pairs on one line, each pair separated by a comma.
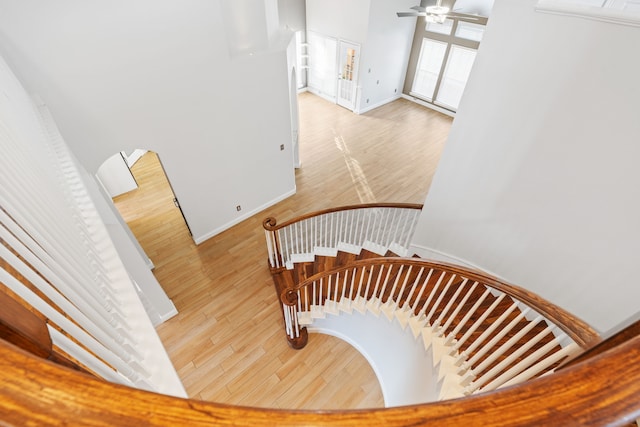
[[436, 13]]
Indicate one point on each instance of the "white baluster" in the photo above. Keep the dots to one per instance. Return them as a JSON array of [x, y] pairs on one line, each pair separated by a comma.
[[404, 313], [478, 322], [467, 316], [539, 367], [524, 364], [440, 297], [389, 306], [331, 306], [459, 306], [493, 357], [373, 303], [418, 321], [434, 290], [363, 298], [489, 332]]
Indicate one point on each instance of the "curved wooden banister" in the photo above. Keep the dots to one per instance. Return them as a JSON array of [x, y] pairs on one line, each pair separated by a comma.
[[602, 391], [271, 224], [378, 227], [574, 327], [612, 341]]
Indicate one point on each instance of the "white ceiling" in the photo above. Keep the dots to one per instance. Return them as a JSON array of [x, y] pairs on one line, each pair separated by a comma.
[[475, 7]]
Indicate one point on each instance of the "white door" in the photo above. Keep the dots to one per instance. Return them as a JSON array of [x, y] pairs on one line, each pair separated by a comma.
[[349, 55]]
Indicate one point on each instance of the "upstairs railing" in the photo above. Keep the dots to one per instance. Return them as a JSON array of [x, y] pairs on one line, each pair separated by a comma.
[[600, 391], [376, 227], [483, 333]]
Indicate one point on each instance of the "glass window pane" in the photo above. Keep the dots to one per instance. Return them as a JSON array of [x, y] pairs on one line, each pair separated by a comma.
[[470, 31], [429, 65], [443, 28], [456, 74]]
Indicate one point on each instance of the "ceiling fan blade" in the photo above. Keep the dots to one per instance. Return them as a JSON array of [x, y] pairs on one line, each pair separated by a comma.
[[406, 14], [418, 8], [463, 16]]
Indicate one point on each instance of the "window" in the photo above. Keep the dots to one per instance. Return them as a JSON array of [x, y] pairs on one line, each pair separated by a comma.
[[470, 31], [429, 66], [455, 76], [444, 28], [445, 60]]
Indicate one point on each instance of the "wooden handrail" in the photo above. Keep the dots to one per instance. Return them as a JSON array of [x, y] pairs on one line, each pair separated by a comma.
[[380, 227], [27, 329], [616, 339], [271, 224], [577, 329], [602, 391]]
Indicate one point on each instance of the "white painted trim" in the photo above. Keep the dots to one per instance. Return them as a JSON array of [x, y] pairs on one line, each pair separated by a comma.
[[603, 14], [135, 156], [428, 105], [169, 314], [379, 104], [321, 94], [206, 236], [436, 255]]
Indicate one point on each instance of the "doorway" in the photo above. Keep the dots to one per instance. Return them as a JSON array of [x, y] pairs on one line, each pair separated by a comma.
[[151, 211], [349, 56], [295, 119]]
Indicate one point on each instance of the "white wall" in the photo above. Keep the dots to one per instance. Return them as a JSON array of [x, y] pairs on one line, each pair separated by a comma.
[[385, 42], [538, 182], [347, 20], [385, 55], [157, 74], [115, 176], [292, 14], [403, 367]]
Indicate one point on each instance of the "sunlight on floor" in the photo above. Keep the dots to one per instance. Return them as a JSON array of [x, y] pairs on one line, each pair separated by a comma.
[[365, 194]]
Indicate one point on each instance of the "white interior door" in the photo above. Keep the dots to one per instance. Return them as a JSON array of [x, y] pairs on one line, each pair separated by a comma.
[[349, 56]]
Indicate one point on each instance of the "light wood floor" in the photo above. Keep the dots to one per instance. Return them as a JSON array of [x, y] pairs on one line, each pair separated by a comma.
[[227, 342]]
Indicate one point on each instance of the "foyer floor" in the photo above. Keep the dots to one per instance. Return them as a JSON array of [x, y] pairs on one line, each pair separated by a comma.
[[228, 343]]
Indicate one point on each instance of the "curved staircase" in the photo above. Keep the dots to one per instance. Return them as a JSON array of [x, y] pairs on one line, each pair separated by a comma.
[[481, 333]]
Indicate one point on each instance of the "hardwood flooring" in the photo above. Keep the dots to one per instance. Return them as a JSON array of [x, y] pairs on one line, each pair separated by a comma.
[[227, 342]]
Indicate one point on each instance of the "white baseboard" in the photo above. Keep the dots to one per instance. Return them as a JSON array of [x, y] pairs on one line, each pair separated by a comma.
[[439, 256], [169, 314], [436, 255], [238, 220], [378, 104], [428, 105], [321, 94]]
